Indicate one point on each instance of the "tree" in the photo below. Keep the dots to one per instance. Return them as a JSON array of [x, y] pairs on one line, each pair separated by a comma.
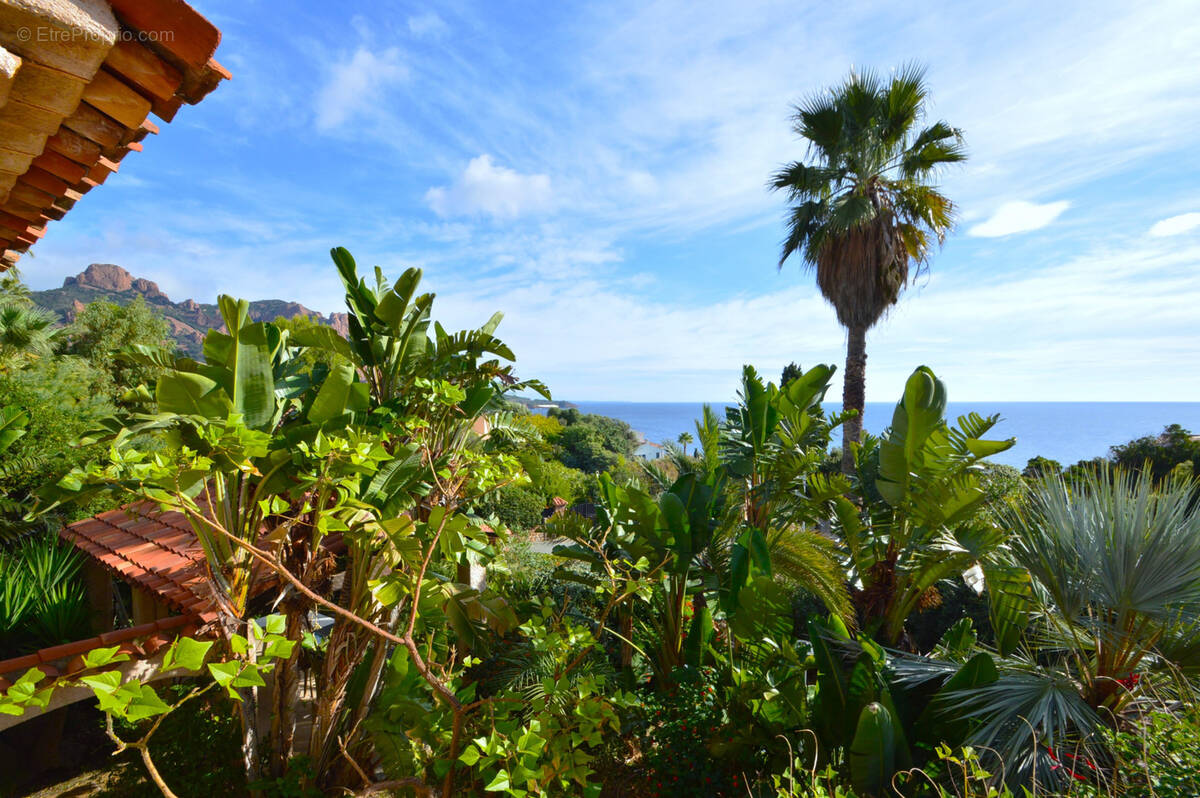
[[919, 518], [26, 331], [865, 209], [382, 448], [1159, 453], [60, 398], [584, 448], [103, 331], [1039, 466], [1115, 566], [684, 439], [790, 372]]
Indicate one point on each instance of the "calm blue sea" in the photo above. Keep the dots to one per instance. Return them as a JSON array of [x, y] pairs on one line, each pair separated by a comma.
[[1063, 431]]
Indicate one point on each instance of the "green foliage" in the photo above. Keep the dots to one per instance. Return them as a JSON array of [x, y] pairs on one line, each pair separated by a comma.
[[542, 738], [1039, 466], [584, 448], [200, 749], [1161, 454], [551, 478], [1004, 488], [617, 436], [1114, 565], [516, 506], [1156, 756], [790, 372], [312, 358], [61, 398], [27, 332], [102, 332], [682, 726], [867, 204], [42, 599], [922, 492]]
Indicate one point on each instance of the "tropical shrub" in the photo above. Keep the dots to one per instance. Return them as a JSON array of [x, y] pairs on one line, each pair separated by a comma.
[[381, 449], [1161, 454], [920, 521], [682, 726], [1156, 756], [1037, 467], [615, 435], [1115, 569], [584, 447], [551, 478], [101, 334], [515, 506], [61, 399], [42, 599], [203, 747]]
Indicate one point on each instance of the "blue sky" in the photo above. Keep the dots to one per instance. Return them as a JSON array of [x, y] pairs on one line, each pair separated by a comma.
[[597, 173]]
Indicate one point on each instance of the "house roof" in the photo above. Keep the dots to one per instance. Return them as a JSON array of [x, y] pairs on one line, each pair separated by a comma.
[[154, 550], [78, 82], [135, 641]]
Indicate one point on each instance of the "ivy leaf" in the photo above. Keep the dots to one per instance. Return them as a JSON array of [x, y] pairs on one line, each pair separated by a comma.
[[224, 673], [99, 657], [278, 647], [470, 756], [500, 783], [146, 703], [186, 653], [105, 682]]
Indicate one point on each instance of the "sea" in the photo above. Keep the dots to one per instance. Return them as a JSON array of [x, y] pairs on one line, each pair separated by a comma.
[[1063, 431]]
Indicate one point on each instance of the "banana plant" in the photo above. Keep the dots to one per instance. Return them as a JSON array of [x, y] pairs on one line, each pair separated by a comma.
[[772, 445], [398, 349], [633, 535], [882, 711], [919, 523]]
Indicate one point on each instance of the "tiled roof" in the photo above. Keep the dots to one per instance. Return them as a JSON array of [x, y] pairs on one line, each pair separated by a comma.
[[151, 549], [136, 641], [78, 81]]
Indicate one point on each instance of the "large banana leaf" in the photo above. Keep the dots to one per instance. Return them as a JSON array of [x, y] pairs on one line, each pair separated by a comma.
[[12, 425], [873, 752], [917, 415]]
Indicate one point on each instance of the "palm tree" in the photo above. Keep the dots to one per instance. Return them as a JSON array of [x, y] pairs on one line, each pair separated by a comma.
[[865, 209], [26, 331], [1114, 561], [684, 439]]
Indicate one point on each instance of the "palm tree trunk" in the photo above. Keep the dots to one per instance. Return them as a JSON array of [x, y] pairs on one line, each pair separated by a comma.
[[853, 393]]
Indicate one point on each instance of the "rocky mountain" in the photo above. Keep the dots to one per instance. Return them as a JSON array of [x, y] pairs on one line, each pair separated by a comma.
[[189, 319]]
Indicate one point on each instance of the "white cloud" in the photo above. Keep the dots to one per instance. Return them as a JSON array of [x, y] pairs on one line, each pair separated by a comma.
[[497, 191], [1019, 217], [355, 86], [427, 24], [1175, 225]]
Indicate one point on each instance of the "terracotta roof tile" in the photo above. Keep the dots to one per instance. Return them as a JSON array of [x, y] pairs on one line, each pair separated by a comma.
[[142, 547], [59, 113], [155, 635]]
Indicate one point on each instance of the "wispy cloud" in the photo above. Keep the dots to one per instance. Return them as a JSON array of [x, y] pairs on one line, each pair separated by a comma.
[[598, 171], [497, 191], [1019, 217], [1176, 225], [427, 24], [357, 84]]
